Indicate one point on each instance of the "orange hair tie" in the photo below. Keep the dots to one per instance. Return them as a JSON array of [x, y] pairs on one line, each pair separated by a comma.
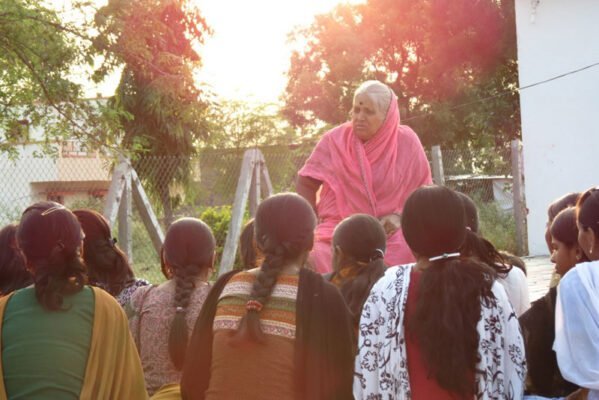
[[254, 305]]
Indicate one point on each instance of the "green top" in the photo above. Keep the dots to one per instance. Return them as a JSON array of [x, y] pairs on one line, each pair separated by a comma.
[[44, 354]]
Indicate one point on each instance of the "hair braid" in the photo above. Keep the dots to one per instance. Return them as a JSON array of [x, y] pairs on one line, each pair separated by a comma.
[[178, 336], [249, 327], [284, 232]]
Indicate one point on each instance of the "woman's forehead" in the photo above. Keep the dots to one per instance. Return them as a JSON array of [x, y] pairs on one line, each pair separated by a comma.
[[365, 100]]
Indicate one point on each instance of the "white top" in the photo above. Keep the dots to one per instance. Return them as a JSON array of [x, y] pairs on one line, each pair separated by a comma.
[[577, 326], [381, 366], [516, 287]]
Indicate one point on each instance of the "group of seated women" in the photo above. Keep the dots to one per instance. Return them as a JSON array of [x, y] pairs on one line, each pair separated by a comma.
[[444, 327], [370, 283]]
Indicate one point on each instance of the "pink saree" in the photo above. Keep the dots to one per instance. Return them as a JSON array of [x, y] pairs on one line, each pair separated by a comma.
[[374, 177]]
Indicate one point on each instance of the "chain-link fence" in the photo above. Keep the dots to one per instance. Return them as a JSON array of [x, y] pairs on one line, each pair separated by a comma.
[[486, 176], [204, 186]]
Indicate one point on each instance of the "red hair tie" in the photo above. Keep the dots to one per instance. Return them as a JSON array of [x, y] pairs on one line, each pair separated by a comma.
[[254, 305]]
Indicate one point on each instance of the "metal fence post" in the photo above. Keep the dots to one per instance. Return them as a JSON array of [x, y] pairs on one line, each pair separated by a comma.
[[241, 197], [115, 191], [125, 219], [438, 174], [255, 190], [519, 201]]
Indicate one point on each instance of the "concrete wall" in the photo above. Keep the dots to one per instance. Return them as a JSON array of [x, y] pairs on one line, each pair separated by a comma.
[[560, 119]]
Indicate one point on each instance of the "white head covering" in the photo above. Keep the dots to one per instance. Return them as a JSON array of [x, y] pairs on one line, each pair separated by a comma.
[[577, 325]]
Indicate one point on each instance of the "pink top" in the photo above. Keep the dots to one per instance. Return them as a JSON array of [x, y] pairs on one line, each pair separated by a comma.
[[374, 177]]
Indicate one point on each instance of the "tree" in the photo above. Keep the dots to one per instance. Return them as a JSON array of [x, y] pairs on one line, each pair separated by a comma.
[[239, 124], [38, 51], [156, 42], [439, 56]]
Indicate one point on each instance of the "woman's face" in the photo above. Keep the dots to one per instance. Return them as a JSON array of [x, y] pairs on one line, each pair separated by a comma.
[[563, 256], [586, 241], [366, 117]]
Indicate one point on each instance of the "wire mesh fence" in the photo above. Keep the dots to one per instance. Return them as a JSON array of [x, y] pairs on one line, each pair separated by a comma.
[[204, 186], [485, 175]]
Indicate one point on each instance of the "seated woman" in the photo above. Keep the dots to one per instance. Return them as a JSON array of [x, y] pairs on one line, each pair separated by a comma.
[[538, 323], [62, 339], [559, 204], [513, 279], [442, 328], [369, 165], [359, 244], [161, 317], [107, 265], [13, 274], [577, 308], [275, 332]]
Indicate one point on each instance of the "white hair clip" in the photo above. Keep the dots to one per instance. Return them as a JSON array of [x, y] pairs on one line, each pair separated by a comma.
[[444, 256]]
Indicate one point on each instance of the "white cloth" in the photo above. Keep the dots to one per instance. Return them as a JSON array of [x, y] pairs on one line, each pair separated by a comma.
[[516, 287], [381, 368], [577, 325]]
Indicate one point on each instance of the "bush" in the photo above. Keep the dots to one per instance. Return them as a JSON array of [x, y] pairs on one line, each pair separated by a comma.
[[497, 226], [218, 218]]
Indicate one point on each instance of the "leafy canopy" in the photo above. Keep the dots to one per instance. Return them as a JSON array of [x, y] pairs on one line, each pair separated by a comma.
[[156, 42], [39, 55], [435, 54]]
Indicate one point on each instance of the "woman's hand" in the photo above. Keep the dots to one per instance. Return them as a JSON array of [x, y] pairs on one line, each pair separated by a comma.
[[391, 223]]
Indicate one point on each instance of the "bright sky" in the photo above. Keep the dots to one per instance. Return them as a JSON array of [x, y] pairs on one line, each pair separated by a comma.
[[247, 56]]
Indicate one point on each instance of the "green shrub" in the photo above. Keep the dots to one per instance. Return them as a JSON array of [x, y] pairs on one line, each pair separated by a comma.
[[218, 218], [497, 226]]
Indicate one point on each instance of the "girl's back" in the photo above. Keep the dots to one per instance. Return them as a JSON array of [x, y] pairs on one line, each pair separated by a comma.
[[151, 311], [251, 365]]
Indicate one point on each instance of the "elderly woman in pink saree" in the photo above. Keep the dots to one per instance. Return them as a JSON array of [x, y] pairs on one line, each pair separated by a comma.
[[369, 165]]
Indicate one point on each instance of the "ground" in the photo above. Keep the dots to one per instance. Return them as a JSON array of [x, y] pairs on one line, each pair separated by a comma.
[[539, 270]]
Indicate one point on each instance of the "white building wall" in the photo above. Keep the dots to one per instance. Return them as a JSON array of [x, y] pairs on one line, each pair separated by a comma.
[[16, 192], [560, 119]]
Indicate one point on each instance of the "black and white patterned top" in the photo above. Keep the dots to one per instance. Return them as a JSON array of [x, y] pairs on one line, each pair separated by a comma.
[[381, 367]]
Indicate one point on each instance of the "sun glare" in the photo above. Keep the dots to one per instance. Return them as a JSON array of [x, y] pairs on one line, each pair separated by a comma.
[[248, 55]]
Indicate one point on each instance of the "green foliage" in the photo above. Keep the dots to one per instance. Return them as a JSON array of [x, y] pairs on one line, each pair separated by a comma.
[[156, 43], [497, 226], [218, 218], [38, 51], [435, 55], [239, 124]]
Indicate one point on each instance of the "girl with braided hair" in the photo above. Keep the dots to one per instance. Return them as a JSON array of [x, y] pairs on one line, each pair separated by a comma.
[[359, 245], [275, 332], [107, 265], [63, 339], [161, 317]]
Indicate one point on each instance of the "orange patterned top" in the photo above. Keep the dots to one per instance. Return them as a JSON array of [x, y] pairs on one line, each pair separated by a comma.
[[277, 317]]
